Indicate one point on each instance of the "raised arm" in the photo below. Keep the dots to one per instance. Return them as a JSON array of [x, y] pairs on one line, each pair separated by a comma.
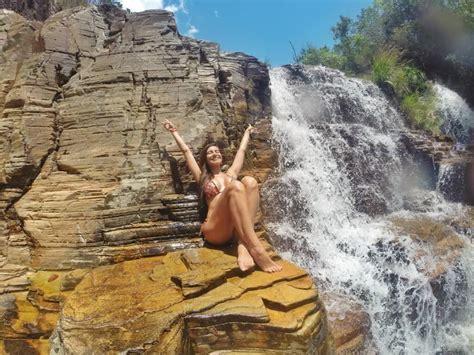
[[234, 170], [190, 161]]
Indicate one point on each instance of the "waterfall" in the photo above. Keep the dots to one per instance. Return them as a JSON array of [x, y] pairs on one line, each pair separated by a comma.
[[344, 176], [451, 177], [457, 116]]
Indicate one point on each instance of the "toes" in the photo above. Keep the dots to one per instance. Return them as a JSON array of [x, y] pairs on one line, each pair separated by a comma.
[[274, 268]]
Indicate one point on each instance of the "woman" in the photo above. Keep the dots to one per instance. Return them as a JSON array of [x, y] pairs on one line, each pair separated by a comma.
[[232, 205]]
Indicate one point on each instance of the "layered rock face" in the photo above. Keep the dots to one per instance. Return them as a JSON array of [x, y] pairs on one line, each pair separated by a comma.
[[445, 162], [87, 169], [89, 177]]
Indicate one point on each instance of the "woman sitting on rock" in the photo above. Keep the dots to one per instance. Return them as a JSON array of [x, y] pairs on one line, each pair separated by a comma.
[[231, 204]]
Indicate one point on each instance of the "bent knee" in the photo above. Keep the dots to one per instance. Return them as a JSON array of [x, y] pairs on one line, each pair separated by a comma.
[[236, 187], [250, 182]]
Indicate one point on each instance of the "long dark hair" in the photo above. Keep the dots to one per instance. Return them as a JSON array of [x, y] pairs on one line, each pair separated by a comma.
[[206, 175]]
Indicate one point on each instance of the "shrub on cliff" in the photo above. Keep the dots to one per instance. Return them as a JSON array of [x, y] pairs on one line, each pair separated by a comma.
[[409, 86]]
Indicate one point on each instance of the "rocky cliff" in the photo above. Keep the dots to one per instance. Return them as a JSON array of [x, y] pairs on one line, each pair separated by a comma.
[[40, 10], [89, 179]]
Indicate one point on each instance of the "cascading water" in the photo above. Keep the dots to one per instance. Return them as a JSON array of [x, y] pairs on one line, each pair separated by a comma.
[[340, 164], [457, 121], [457, 116]]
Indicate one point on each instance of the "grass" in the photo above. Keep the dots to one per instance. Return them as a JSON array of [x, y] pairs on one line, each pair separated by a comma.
[[410, 86]]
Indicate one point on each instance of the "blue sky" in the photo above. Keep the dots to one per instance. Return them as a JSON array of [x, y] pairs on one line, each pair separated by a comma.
[[262, 28]]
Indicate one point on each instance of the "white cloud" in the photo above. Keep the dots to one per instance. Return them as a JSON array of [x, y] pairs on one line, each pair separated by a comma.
[[182, 7], [192, 31], [216, 13], [177, 7], [172, 8], [142, 5]]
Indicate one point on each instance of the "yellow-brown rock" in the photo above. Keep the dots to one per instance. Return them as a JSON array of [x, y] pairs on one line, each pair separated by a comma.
[[29, 317], [149, 308]]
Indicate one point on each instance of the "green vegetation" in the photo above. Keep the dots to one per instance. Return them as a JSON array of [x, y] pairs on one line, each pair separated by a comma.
[[397, 43], [409, 85], [323, 56], [421, 108]]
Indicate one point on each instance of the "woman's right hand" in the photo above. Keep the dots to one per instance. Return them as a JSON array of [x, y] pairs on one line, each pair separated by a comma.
[[169, 126], [251, 129]]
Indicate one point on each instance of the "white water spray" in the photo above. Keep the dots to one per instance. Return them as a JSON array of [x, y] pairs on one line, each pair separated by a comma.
[[457, 116], [319, 224]]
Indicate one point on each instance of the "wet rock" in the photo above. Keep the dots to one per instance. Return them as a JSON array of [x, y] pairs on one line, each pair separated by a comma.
[[438, 253], [452, 182], [464, 223], [349, 324], [445, 244]]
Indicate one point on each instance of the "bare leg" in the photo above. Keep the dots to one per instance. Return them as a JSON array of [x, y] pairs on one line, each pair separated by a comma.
[[245, 260], [253, 195], [243, 223], [230, 212]]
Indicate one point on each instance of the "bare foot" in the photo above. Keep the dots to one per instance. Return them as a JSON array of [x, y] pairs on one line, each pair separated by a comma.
[[244, 258], [264, 261]]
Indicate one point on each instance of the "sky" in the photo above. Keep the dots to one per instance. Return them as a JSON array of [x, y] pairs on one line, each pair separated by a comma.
[[262, 28]]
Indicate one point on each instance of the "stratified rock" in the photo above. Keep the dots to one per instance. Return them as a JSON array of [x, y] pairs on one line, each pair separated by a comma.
[[444, 163], [91, 176], [145, 305], [29, 316]]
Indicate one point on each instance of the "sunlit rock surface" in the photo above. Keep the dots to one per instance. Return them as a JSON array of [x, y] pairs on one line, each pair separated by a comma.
[[191, 301]]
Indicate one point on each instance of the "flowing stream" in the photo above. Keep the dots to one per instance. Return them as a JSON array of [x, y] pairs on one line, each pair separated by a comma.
[[458, 117], [345, 174]]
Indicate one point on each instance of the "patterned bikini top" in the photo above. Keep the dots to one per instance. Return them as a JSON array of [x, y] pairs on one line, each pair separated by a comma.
[[210, 189]]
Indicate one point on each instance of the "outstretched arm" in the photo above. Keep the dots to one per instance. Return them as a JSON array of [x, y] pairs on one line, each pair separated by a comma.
[[234, 170], [190, 161]]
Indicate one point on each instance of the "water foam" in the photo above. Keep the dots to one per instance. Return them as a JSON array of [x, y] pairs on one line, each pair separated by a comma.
[[316, 222]]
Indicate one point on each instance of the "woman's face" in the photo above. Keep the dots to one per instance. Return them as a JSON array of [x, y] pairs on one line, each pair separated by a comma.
[[213, 156]]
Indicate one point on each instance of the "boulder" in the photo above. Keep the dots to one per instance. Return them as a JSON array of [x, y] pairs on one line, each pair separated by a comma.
[[349, 324], [191, 301]]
